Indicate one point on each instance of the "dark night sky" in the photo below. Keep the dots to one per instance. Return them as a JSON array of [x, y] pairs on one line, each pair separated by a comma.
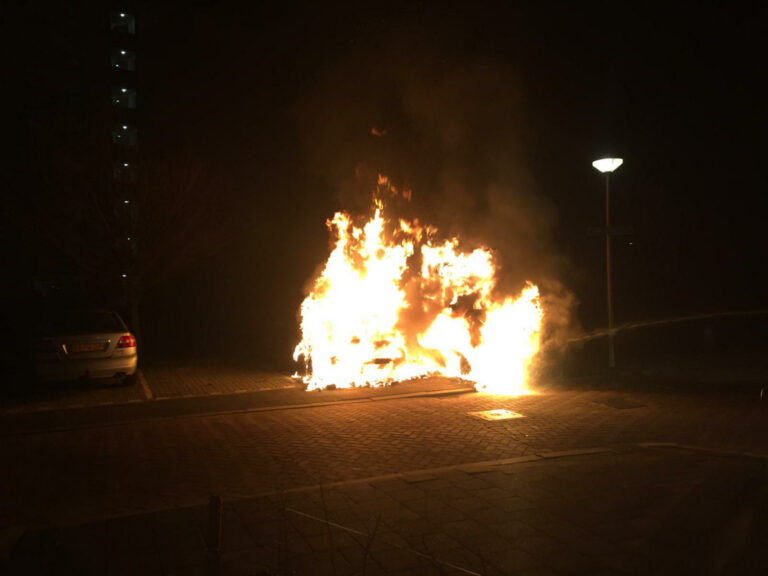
[[493, 114]]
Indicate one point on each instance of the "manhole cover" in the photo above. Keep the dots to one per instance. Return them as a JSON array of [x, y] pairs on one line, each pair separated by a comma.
[[500, 414]]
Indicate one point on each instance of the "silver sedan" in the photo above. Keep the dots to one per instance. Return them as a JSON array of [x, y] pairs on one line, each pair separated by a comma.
[[84, 344]]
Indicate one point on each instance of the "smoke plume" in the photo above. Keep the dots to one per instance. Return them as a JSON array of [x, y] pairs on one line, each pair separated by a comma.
[[450, 132]]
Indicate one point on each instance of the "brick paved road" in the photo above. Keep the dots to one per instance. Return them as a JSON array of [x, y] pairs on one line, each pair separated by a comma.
[[75, 476], [157, 380], [636, 511], [184, 379], [35, 397]]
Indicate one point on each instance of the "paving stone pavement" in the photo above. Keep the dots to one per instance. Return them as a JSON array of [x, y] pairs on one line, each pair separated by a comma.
[[137, 469], [156, 380], [59, 395], [184, 379], [633, 511], [176, 461]]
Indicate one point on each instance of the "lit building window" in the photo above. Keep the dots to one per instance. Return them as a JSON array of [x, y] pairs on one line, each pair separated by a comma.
[[122, 22], [124, 174], [124, 60], [125, 134], [123, 97]]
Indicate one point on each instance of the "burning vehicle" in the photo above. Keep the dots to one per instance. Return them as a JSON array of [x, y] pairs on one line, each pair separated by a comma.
[[395, 301]]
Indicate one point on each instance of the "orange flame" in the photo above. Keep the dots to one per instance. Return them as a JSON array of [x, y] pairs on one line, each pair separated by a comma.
[[393, 303]]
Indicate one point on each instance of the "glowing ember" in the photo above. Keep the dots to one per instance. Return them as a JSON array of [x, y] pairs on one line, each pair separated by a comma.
[[393, 302]]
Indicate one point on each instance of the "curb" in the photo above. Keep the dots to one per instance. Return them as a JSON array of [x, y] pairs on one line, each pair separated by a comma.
[[216, 413]]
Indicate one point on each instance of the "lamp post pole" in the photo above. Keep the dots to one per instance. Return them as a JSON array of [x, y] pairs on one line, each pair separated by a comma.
[[609, 293], [606, 166]]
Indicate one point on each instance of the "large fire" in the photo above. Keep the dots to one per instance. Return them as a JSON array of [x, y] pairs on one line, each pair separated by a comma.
[[393, 303]]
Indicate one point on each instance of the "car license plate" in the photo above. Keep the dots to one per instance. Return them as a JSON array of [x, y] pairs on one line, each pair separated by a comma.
[[88, 347]]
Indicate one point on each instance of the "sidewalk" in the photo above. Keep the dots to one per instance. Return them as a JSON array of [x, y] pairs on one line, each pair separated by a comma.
[[157, 380], [209, 380], [582, 483], [183, 379], [627, 510], [215, 379]]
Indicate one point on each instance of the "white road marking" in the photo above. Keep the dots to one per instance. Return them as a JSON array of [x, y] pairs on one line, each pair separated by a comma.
[[144, 384]]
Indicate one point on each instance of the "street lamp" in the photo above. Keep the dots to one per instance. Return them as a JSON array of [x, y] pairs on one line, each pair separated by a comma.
[[606, 166]]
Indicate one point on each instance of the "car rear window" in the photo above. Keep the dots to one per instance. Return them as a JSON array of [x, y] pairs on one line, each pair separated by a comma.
[[80, 322]]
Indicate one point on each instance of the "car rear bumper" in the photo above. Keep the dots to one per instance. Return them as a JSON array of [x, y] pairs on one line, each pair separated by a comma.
[[93, 368]]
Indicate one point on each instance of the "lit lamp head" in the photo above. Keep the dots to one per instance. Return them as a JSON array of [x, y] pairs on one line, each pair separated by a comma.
[[607, 164]]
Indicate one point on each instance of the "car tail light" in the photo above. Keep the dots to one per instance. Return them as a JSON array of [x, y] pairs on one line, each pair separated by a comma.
[[126, 342]]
